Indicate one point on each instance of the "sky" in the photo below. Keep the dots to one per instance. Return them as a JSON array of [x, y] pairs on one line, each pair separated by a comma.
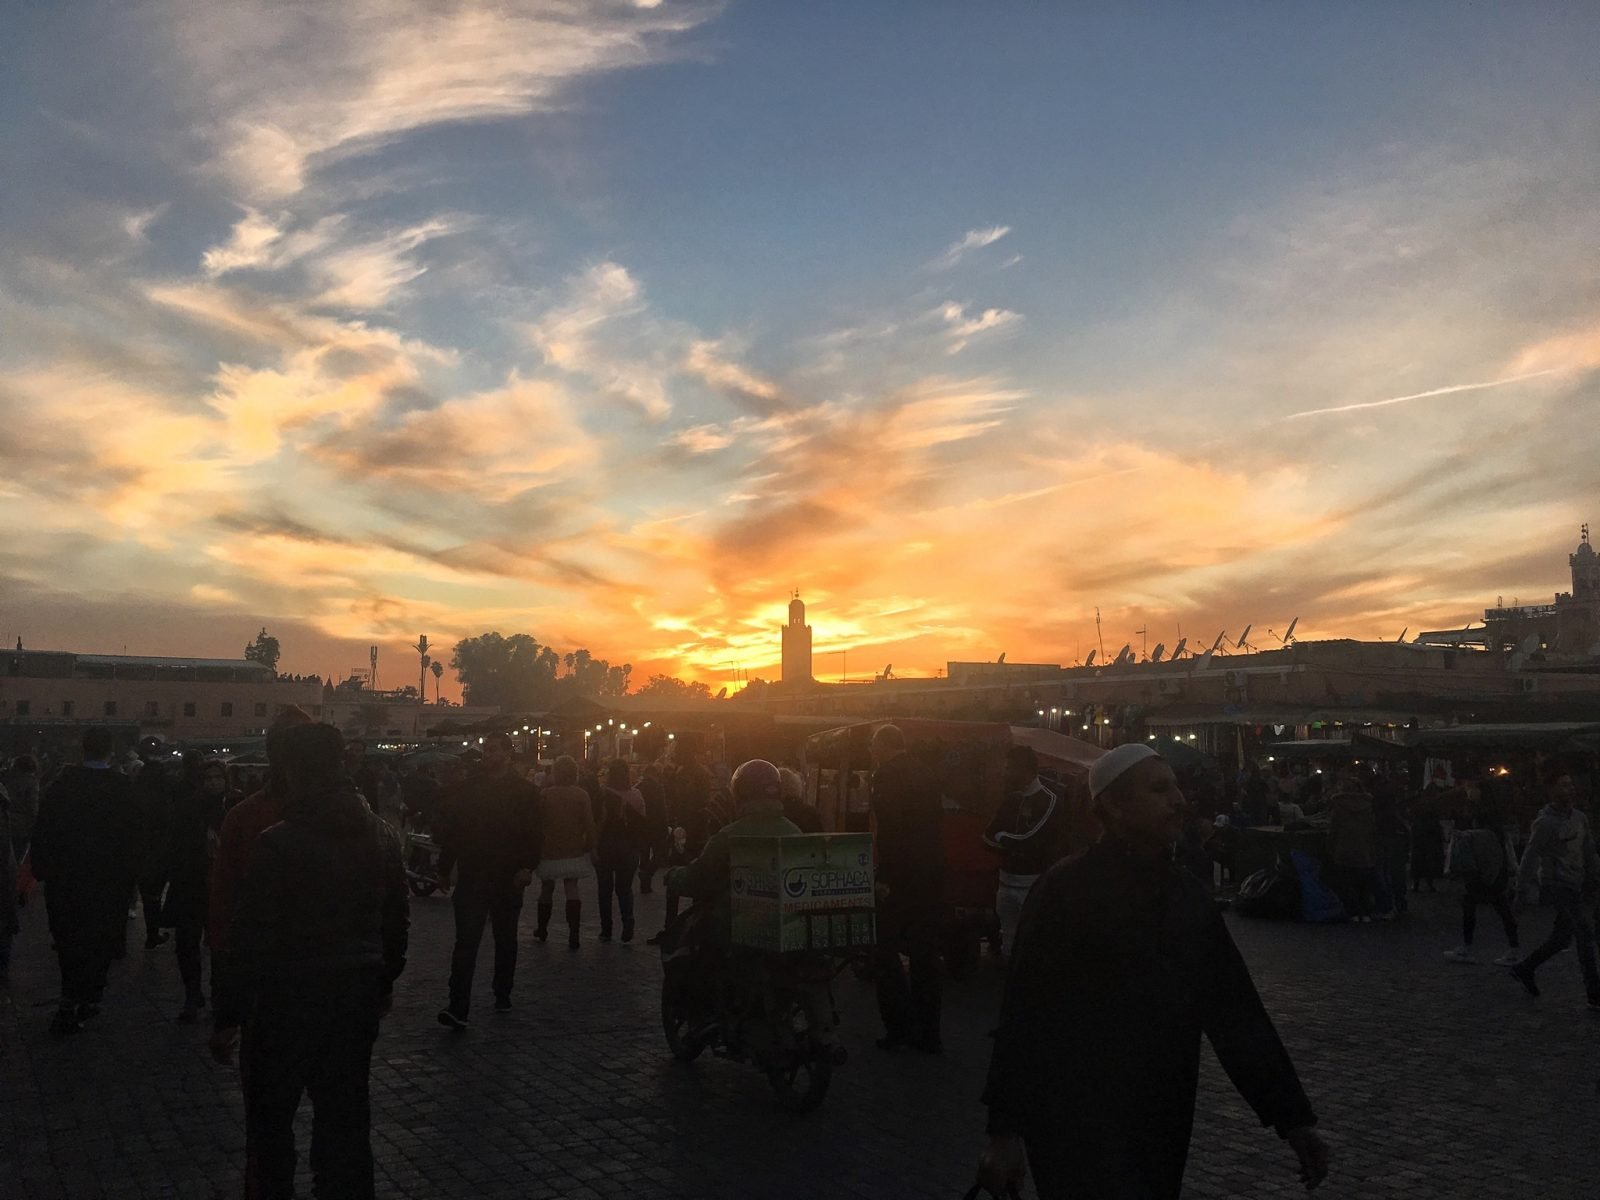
[[616, 323]]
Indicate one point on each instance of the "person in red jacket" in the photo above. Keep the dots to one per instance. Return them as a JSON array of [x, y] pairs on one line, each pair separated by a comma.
[[244, 824]]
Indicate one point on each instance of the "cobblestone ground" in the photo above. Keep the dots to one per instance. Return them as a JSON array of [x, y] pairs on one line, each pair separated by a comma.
[[1431, 1080]]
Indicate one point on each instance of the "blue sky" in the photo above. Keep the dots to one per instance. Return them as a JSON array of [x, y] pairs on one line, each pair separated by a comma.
[[613, 322]]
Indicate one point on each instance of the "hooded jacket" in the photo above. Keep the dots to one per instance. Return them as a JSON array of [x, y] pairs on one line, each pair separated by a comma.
[[1560, 853], [86, 850], [325, 896]]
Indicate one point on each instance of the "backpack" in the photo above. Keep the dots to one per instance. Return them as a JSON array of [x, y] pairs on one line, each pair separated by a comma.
[[1272, 893], [1461, 860]]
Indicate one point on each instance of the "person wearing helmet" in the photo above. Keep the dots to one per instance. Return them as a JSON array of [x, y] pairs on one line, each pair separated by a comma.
[[758, 804]]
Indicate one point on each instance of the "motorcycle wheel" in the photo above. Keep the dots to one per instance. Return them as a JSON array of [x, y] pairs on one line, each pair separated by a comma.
[[803, 1085], [675, 1020]]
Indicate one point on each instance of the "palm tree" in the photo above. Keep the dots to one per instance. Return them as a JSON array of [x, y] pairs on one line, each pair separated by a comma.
[[437, 668]]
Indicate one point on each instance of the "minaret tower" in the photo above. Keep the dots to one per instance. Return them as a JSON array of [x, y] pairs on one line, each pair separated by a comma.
[[796, 645]]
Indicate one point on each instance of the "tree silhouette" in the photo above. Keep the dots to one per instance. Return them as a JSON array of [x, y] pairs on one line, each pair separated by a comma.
[[264, 650]]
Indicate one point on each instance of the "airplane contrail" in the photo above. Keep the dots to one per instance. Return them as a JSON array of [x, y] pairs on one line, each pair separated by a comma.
[[1444, 391]]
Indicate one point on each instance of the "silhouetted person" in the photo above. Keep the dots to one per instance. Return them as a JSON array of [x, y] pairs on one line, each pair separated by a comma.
[[153, 788], [192, 836], [318, 939], [910, 879], [1561, 862], [653, 851], [619, 834], [1028, 832], [86, 849], [242, 828], [1122, 962], [566, 845], [491, 825], [801, 814]]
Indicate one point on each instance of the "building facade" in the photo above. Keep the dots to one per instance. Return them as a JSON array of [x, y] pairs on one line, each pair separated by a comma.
[[175, 699]]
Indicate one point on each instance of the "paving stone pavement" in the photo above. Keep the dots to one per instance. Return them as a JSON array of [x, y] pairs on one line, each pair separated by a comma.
[[1431, 1081]]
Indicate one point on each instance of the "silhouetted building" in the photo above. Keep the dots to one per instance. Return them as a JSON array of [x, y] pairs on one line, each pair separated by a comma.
[[796, 645], [1569, 627]]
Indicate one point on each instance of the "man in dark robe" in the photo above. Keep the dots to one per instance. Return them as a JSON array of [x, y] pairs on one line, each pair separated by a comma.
[[1121, 963]]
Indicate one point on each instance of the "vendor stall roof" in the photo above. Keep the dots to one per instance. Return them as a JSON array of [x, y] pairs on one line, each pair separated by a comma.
[[1546, 736]]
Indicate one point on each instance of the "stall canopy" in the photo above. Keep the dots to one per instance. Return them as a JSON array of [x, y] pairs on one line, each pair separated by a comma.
[[1548, 737], [1311, 750]]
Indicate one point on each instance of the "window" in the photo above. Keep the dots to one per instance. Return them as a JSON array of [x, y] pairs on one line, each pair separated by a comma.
[[66, 707], [23, 707], [152, 708], [111, 708], [261, 710], [188, 708], [227, 708]]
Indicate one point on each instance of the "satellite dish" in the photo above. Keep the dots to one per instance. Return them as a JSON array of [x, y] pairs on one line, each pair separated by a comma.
[[1205, 659], [1242, 643], [1403, 633], [1124, 655], [1289, 633], [1160, 649], [1089, 662], [1001, 660], [1217, 645], [1177, 651], [723, 694], [1529, 644]]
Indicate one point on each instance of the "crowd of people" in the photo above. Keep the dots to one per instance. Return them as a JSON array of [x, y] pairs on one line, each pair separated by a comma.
[[1105, 903]]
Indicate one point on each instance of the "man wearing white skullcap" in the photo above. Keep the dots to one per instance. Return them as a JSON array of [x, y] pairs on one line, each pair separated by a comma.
[[1121, 963]]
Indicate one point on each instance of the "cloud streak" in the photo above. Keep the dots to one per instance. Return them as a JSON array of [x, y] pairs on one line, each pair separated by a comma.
[[973, 239], [1451, 390]]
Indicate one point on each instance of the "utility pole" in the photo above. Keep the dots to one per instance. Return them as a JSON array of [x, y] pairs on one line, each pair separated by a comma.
[[422, 680], [1098, 637]]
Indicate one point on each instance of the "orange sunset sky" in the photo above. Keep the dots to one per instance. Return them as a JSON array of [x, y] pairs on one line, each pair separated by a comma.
[[613, 323]]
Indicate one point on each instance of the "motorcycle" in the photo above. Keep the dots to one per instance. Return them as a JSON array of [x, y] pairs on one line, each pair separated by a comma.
[[775, 1011]]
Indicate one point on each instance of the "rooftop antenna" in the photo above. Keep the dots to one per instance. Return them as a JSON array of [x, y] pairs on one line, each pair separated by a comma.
[[1089, 662], [1177, 651], [1144, 641], [1287, 637], [1161, 648], [1244, 640], [1403, 633], [1101, 641], [1124, 655]]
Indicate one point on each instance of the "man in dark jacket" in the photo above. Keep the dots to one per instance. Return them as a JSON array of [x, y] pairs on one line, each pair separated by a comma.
[[906, 806], [86, 852], [317, 940], [1028, 833], [492, 827], [657, 837], [1121, 963]]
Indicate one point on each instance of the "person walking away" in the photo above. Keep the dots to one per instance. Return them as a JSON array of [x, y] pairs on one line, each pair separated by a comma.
[[85, 851], [906, 807], [9, 927], [653, 852], [1492, 866], [800, 813], [1561, 860], [1027, 833], [491, 826], [566, 816], [1394, 853], [153, 791], [22, 786], [1353, 844], [1427, 841], [318, 938], [242, 828], [620, 832], [193, 835], [1121, 963]]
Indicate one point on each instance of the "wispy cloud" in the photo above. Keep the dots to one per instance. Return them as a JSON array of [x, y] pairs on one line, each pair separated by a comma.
[[973, 239], [960, 329], [1429, 394]]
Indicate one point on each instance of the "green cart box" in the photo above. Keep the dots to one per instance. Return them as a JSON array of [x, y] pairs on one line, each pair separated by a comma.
[[810, 891]]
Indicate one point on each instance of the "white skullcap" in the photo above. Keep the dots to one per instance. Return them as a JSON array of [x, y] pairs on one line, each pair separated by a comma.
[[1110, 767]]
